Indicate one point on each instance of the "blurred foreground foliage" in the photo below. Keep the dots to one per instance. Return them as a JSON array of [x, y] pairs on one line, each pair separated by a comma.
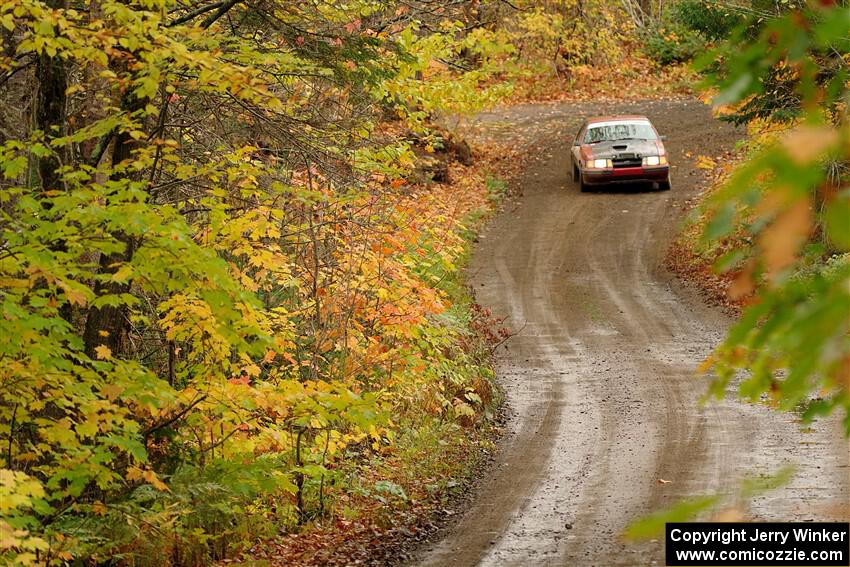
[[783, 217]]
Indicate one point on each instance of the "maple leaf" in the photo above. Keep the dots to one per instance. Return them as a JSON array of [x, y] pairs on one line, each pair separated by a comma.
[[154, 480], [74, 294], [102, 352]]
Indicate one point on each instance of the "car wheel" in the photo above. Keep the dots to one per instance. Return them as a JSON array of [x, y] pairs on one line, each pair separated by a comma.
[[577, 178], [664, 185]]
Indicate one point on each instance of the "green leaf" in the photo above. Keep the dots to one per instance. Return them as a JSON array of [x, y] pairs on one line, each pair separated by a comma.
[[652, 526], [838, 220]]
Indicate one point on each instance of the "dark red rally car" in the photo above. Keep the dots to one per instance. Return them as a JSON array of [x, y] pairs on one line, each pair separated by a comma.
[[619, 149]]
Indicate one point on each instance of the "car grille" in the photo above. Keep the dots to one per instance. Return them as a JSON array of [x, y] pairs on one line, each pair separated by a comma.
[[627, 161]]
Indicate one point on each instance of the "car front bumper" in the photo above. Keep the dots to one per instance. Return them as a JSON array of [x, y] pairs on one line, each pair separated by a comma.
[[625, 175]]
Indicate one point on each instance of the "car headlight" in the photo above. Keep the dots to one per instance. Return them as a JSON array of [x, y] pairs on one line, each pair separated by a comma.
[[655, 160], [600, 163]]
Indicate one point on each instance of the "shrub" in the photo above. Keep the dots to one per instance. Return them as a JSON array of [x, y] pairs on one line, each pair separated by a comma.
[[673, 43], [712, 21]]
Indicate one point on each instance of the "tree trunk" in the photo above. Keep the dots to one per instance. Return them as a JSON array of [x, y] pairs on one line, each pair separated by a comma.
[[107, 325], [49, 111], [50, 115]]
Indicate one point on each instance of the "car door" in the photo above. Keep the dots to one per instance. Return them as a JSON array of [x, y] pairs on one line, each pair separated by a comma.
[[576, 147]]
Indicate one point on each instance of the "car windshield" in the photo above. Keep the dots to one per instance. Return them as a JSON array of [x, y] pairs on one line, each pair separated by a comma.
[[612, 131]]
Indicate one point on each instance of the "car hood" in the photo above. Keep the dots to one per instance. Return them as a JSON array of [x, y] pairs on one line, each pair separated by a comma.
[[610, 150]]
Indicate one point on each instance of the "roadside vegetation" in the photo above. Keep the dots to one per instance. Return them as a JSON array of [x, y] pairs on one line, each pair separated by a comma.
[[569, 50], [770, 239], [231, 294], [776, 221]]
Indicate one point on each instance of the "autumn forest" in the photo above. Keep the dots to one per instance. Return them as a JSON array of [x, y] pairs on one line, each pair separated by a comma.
[[236, 318]]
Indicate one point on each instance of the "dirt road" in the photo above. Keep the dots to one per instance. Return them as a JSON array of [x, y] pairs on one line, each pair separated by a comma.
[[600, 377]]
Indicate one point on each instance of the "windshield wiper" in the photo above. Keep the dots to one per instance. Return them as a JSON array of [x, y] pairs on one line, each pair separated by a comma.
[[617, 140]]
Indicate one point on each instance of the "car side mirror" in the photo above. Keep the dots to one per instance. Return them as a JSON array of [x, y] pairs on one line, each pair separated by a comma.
[[576, 143], [662, 138]]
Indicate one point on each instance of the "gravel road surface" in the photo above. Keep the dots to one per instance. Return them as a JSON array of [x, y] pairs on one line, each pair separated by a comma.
[[600, 378]]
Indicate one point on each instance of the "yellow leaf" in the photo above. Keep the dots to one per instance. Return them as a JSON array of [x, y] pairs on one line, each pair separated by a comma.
[[705, 162], [111, 391], [134, 473], [75, 296], [152, 479], [123, 274], [102, 352]]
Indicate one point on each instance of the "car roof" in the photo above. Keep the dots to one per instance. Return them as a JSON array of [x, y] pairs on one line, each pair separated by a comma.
[[617, 118]]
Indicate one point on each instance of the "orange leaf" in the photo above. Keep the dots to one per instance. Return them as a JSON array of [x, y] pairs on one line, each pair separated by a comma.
[[781, 241], [743, 284], [805, 144]]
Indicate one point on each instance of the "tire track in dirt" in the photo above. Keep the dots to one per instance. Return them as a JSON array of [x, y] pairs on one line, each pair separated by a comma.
[[601, 378]]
